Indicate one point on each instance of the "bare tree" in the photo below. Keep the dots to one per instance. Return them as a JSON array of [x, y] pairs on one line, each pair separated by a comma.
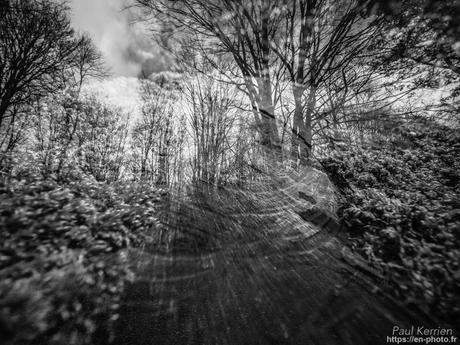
[[301, 42], [102, 140], [322, 38], [242, 30], [154, 137], [38, 51], [211, 118], [87, 63]]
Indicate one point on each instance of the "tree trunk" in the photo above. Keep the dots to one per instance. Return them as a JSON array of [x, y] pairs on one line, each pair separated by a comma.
[[269, 135], [263, 108], [163, 157], [302, 127]]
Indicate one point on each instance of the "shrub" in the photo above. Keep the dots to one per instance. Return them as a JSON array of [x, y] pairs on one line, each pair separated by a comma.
[[62, 268], [401, 208]]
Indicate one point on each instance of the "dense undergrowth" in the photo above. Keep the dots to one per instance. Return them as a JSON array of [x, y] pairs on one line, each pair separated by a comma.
[[62, 265], [401, 208]]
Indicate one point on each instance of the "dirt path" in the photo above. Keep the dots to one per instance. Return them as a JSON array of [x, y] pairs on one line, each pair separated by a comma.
[[240, 268]]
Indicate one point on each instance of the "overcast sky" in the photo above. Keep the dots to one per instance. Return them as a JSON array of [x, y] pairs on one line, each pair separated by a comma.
[[127, 47]]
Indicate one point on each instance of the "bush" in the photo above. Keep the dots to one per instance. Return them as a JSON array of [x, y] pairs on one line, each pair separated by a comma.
[[62, 267], [402, 210]]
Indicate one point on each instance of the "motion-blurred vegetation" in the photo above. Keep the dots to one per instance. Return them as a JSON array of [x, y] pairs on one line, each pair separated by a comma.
[[401, 209], [368, 89]]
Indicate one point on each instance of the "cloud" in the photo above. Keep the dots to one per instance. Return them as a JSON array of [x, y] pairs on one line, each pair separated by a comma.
[[126, 46]]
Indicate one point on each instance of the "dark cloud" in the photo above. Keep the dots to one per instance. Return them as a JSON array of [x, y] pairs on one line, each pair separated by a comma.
[[125, 44]]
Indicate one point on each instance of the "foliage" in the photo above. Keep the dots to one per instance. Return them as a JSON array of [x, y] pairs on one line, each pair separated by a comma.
[[101, 139], [82, 132], [401, 209], [62, 267]]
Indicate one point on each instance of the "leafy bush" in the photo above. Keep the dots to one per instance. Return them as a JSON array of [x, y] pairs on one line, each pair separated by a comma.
[[62, 268], [402, 210]]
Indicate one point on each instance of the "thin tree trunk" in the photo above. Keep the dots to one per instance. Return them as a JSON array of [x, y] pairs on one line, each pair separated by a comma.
[[302, 126]]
